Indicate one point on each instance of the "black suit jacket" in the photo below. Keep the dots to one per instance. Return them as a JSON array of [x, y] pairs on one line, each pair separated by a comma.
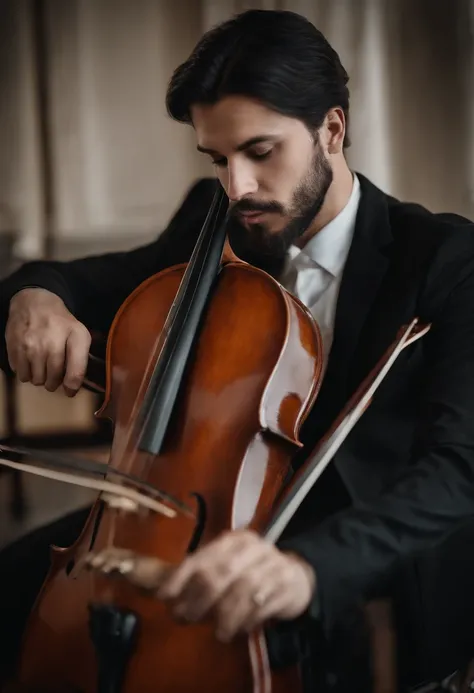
[[409, 463]]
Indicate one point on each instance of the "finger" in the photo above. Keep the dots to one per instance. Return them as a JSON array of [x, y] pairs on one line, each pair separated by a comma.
[[22, 367], [210, 573], [38, 370], [107, 555], [144, 572], [77, 354], [55, 369], [228, 595], [273, 607], [147, 572], [12, 351], [238, 605], [284, 598], [219, 560], [110, 562]]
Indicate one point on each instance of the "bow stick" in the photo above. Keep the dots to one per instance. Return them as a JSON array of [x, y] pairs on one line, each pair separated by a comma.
[[144, 495]]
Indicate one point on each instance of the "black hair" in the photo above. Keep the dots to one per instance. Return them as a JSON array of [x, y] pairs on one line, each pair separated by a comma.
[[275, 56]]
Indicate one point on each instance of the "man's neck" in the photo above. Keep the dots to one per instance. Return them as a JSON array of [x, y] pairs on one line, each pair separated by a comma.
[[336, 199]]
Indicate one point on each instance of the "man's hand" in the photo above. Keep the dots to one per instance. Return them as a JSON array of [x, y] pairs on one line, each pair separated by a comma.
[[46, 345], [239, 579]]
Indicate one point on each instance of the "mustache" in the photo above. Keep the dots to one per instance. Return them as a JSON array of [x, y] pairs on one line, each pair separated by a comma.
[[255, 206]]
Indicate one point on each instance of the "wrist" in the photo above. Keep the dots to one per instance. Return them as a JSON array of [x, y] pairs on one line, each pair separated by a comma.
[[38, 292]]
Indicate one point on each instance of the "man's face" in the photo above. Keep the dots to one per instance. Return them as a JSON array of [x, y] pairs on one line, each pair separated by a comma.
[[274, 172]]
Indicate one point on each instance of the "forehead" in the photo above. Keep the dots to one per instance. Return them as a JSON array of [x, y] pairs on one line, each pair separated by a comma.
[[236, 119]]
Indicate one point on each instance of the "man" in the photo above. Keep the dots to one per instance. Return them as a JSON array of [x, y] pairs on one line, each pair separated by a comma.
[[268, 100]]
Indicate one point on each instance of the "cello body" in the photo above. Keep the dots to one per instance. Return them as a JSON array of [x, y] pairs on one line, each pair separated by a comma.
[[252, 378]]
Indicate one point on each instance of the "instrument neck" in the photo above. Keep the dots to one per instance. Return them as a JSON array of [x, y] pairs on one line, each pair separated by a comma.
[[181, 327]]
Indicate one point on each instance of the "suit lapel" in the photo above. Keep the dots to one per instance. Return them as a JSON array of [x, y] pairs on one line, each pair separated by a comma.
[[365, 269], [364, 272]]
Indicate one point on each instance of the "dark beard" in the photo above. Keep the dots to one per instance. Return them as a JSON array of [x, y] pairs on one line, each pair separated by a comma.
[[268, 251]]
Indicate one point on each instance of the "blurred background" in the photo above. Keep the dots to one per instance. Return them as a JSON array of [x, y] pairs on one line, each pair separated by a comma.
[[90, 162]]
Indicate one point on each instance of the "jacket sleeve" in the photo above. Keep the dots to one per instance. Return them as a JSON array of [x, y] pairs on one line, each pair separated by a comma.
[[94, 287], [353, 551]]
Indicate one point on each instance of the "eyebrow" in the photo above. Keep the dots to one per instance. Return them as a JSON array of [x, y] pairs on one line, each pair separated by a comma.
[[245, 145]]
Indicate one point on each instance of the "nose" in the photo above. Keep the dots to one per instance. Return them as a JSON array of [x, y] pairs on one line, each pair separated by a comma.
[[241, 181]]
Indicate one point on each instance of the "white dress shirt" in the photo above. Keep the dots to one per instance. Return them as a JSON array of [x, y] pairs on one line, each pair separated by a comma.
[[314, 273]]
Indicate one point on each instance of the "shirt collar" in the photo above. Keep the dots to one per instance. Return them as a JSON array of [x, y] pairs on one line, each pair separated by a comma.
[[330, 246]]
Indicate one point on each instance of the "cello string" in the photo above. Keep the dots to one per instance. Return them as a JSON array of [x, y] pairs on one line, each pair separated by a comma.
[[186, 301], [164, 347]]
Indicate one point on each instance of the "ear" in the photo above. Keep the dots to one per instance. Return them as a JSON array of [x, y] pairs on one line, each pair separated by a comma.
[[335, 129]]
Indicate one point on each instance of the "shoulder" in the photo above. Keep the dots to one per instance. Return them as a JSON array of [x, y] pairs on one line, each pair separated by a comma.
[[180, 236], [415, 226], [432, 251], [194, 205], [441, 243], [415, 218]]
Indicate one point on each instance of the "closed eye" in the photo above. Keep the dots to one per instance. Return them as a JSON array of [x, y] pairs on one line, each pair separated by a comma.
[[260, 156], [219, 162], [255, 156]]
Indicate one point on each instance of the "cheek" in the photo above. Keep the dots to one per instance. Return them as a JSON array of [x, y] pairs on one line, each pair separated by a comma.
[[286, 176], [274, 183]]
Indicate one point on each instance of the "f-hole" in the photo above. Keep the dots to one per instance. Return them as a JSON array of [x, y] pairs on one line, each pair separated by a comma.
[[200, 523], [71, 565]]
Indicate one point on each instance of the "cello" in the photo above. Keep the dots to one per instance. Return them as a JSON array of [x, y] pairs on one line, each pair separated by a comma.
[[211, 370]]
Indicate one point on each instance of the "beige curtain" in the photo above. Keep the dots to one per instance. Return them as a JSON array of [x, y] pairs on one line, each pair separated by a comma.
[[120, 166], [21, 179], [411, 67]]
